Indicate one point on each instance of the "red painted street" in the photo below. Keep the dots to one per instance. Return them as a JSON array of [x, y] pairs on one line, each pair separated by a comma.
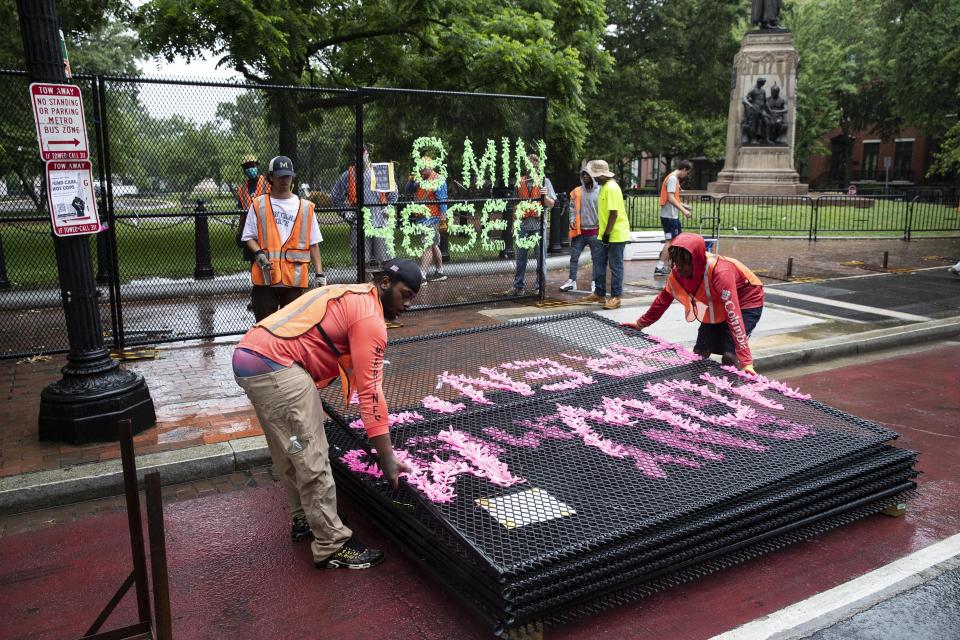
[[234, 573]]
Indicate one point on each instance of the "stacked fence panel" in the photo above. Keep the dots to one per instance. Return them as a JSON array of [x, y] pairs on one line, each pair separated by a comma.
[[563, 466]]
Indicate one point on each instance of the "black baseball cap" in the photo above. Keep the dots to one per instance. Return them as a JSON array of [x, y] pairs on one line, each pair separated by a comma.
[[281, 166], [405, 270]]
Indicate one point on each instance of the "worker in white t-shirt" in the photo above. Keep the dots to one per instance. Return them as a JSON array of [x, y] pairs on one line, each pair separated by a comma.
[[282, 232]]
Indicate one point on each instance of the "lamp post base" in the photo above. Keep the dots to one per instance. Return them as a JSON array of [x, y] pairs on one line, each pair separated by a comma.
[[87, 408]]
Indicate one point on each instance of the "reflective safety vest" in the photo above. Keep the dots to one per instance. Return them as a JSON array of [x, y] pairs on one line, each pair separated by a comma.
[[663, 188], [528, 192], [429, 195], [243, 193], [307, 311], [352, 188], [290, 260], [576, 199], [706, 305]]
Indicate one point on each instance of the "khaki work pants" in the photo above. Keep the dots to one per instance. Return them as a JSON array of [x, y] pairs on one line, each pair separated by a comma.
[[287, 404]]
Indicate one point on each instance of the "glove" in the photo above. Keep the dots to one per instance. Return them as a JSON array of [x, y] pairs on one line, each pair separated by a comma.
[[633, 325], [749, 369], [606, 238], [319, 280], [262, 260]]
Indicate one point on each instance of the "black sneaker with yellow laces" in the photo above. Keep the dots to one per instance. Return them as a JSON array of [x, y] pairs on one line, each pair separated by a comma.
[[352, 555]]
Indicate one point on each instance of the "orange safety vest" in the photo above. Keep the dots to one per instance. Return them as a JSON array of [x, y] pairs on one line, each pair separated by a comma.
[[663, 188], [352, 187], [429, 194], [295, 319], [289, 260], [528, 193], [706, 305], [576, 197], [243, 194]]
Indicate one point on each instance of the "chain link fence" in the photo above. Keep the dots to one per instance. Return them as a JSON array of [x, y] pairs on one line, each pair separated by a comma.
[[168, 157]]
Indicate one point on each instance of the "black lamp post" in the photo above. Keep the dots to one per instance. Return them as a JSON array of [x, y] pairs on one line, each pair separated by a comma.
[[95, 393]]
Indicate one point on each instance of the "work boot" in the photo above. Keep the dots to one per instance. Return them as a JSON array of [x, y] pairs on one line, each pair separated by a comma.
[[593, 298], [300, 528], [612, 302], [661, 271], [352, 555]]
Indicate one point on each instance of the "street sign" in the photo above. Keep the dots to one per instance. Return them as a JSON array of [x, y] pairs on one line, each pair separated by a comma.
[[73, 206], [61, 126]]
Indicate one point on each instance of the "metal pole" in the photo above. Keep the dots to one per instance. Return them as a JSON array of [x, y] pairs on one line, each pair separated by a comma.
[[359, 176], [158, 557], [4, 281], [133, 519], [542, 247], [202, 270], [116, 301], [95, 392]]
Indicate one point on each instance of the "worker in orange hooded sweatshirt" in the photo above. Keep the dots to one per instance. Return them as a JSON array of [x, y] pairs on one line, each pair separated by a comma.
[[723, 294]]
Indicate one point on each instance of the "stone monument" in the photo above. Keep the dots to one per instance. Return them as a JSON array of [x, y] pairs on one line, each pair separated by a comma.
[[760, 126]]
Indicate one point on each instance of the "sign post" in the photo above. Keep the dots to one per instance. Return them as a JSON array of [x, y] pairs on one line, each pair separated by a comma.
[[61, 125], [95, 392], [73, 205]]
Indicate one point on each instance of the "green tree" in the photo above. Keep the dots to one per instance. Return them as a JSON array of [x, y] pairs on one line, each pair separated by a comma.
[[538, 46], [925, 71], [844, 52], [671, 88]]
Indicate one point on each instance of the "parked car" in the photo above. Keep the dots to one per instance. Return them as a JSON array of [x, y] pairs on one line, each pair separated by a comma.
[[120, 188]]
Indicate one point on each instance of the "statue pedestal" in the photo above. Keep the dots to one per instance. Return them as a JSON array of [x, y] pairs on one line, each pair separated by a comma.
[[752, 169]]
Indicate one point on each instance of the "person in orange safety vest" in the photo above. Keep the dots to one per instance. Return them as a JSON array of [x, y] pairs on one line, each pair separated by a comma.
[[344, 194], [282, 232], [670, 206], [254, 185], [330, 332], [723, 294]]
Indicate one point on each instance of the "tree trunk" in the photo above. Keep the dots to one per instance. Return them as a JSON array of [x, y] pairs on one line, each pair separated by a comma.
[[284, 106]]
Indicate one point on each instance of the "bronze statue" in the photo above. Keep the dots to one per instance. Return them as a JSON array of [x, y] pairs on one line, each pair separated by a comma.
[[766, 13], [754, 111], [776, 116]]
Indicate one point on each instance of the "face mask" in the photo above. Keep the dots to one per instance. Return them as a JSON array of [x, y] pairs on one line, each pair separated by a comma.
[[251, 172]]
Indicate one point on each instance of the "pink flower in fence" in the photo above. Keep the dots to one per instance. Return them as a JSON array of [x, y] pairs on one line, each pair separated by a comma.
[[484, 463], [354, 462], [773, 385], [442, 406]]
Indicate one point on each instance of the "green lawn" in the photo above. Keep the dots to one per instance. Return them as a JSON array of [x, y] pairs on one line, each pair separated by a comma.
[[164, 248], [792, 217]]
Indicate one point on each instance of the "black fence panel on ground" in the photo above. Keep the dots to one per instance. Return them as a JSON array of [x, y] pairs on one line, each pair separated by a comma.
[[558, 461]]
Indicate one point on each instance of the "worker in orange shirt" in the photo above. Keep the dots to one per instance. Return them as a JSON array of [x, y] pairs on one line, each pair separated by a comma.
[[281, 362]]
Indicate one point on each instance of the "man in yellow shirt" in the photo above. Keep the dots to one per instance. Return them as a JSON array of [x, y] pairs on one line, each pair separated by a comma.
[[614, 233]]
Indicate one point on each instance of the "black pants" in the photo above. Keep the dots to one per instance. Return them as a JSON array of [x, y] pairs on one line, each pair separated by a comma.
[[267, 300]]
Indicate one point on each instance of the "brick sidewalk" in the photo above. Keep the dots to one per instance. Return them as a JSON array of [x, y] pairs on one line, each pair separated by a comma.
[[197, 401]]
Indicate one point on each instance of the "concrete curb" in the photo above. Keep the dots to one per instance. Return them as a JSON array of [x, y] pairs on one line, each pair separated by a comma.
[[56, 487], [868, 341]]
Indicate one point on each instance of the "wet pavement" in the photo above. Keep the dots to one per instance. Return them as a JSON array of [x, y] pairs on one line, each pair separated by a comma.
[[40, 330], [235, 573], [930, 611]]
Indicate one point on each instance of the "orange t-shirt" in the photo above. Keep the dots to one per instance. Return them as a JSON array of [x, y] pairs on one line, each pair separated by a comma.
[[355, 325]]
